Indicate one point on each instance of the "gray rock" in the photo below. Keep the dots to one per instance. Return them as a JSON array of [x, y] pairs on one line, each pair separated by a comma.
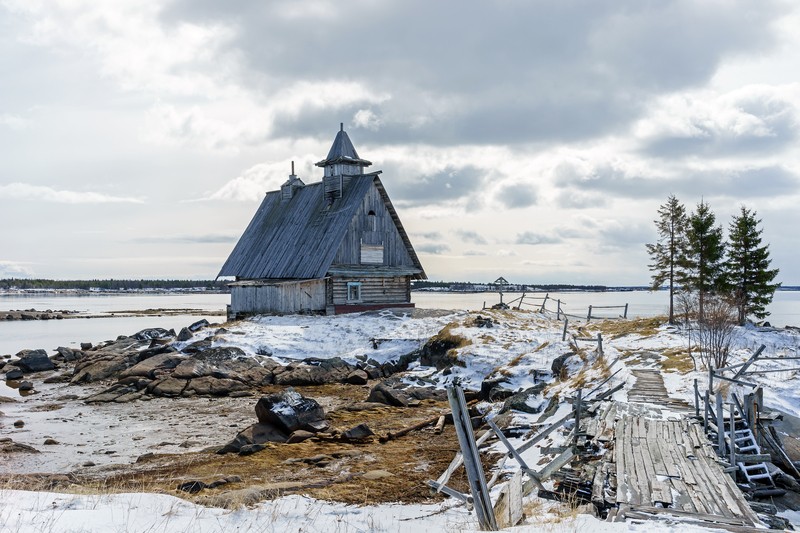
[[86, 346], [152, 333], [299, 436], [384, 393], [220, 354], [184, 335], [211, 386], [99, 369], [200, 324], [250, 449], [559, 364], [359, 432], [290, 411], [13, 374], [149, 366], [68, 354], [25, 386], [255, 434], [192, 487], [34, 361], [519, 401], [357, 377], [168, 386]]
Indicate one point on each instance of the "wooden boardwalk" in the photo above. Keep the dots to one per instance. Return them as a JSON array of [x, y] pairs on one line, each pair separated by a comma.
[[659, 462], [649, 388], [669, 463]]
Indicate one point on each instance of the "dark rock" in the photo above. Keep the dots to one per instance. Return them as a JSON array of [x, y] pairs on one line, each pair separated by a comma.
[[357, 377], [153, 351], [495, 388], [19, 424], [192, 487], [386, 394], [152, 333], [299, 436], [359, 432], [290, 411], [221, 354], [88, 463], [34, 361], [200, 324], [519, 401], [99, 369], [68, 354], [16, 447], [168, 386], [86, 346], [190, 368], [25, 386], [559, 364], [483, 322], [199, 346], [51, 442], [436, 351], [148, 367], [13, 374], [113, 393], [250, 449], [211, 386], [255, 434], [314, 371], [184, 335]]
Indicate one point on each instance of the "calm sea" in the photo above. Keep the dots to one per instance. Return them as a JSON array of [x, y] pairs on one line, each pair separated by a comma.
[[48, 334]]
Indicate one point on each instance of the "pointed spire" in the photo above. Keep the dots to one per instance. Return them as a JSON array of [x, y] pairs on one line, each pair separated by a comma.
[[343, 151]]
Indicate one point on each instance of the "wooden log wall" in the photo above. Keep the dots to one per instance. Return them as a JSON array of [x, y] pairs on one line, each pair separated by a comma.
[[373, 229], [306, 295], [373, 290]]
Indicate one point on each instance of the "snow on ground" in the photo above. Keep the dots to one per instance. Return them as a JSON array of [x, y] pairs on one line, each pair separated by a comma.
[[518, 349], [29, 512], [288, 338]]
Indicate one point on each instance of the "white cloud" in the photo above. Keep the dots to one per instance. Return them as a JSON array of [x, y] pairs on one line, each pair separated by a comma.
[[11, 269], [15, 122], [24, 191]]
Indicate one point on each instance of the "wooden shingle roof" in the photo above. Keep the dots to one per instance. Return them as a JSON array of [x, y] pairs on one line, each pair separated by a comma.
[[298, 238]]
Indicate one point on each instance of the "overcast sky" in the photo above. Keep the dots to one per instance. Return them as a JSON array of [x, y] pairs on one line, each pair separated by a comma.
[[529, 139]]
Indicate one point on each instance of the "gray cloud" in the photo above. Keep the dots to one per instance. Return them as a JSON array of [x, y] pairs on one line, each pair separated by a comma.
[[745, 183], [555, 71], [517, 195], [474, 253], [450, 183], [432, 248], [188, 239], [530, 237], [472, 237], [431, 235]]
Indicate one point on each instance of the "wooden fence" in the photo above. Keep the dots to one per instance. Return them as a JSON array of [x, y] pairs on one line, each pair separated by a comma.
[[540, 303]]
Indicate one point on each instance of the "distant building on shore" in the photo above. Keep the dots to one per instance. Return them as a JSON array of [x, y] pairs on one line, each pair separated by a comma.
[[334, 246]]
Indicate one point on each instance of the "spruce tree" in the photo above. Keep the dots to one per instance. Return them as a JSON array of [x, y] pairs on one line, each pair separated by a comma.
[[748, 266], [703, 262], [666, 252]]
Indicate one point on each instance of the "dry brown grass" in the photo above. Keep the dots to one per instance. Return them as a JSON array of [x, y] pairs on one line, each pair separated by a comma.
[[644, 327], [676, 360]]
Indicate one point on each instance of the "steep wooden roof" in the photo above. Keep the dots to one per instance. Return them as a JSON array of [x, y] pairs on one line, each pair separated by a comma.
[[298, 238]]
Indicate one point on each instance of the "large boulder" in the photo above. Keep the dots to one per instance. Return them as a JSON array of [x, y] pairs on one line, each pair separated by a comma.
[[290, 411], [149, 367], [255, 434], [314, 371], [34, 361], [99, 368], [559, 364], [153, 333], [219, 355], [526, 401], [398, 393]]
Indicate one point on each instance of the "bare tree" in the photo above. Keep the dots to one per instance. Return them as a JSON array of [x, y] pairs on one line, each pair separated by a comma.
[[715, 331]]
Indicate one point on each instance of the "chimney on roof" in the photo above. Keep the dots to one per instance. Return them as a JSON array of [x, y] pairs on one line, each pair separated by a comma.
[[289, 187], [341, 164]]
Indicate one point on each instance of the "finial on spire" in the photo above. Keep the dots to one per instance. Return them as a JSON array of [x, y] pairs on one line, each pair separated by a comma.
[[341, 126], [292, 168]]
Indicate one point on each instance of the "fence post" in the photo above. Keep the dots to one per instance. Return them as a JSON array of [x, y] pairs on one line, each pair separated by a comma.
[[520, 301], [732, 441], [558, 309], [589, 315], [710, 378], [696, 400], [577, 416], [707, 408], [720, 426], [600, 344], [564, 333], [625, 315]]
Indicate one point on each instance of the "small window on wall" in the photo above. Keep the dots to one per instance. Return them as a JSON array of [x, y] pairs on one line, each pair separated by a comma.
[[353, 291], [372, 221]]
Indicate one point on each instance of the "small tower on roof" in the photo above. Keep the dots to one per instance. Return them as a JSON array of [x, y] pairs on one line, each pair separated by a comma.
[[289, 186], [341, 164]]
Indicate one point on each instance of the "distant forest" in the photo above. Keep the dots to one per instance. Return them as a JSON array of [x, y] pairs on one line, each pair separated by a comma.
[[113, 284], [467, 286]]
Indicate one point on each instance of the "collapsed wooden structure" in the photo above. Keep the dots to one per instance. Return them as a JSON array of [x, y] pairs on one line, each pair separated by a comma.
[[333, 246]]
